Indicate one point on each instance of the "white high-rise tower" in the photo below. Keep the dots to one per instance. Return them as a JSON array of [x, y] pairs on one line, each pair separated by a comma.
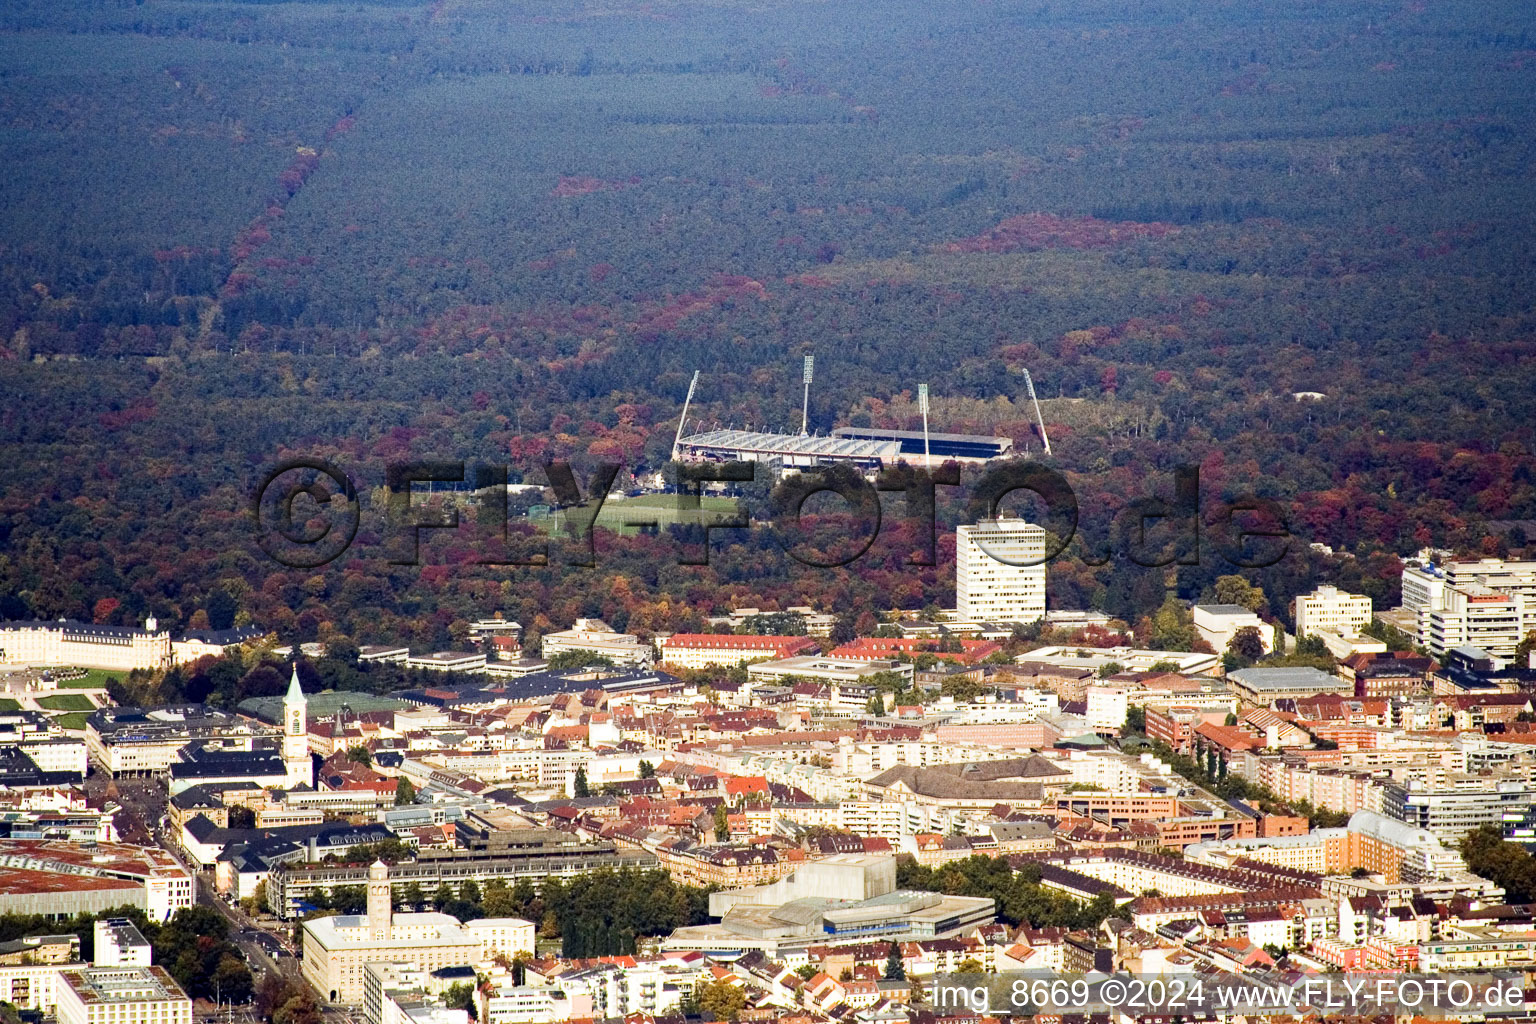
[[296, 735], [990, 584]]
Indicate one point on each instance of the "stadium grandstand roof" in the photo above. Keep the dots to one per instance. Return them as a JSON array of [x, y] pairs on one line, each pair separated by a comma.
[[949, 446], [794, 449]]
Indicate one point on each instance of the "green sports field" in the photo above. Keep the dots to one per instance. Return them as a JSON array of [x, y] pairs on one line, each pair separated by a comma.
[[625, 515]]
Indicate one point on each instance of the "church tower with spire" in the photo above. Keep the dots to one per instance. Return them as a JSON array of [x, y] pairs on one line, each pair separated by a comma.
[[296, 734]]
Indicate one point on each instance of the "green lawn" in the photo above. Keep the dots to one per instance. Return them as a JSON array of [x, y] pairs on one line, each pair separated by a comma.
[[73, 720], [94, 679], [6, 704], [618, 514], [66, 702]]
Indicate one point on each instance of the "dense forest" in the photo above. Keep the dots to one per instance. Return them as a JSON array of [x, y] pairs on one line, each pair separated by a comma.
[[509, 232]]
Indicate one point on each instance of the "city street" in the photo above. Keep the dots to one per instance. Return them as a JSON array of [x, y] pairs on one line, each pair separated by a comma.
[[143, 803]]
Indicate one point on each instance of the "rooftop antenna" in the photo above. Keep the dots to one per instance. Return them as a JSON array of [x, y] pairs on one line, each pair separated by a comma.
[[678, 440], [805, 403], [1029, 383], [922, 403]]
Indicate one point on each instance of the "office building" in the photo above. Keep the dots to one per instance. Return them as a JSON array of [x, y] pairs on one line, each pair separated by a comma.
[[119, 943], [1477, 616], [121, 995], [1217, 624], [1454, 806], [1261, 687], [593, 636], [1329, 609], [1489, 603], [506, 936], [61, 879], [825, 670], [448, 661], [534, 854], [336, 949], [147, 741], [1000, 571]]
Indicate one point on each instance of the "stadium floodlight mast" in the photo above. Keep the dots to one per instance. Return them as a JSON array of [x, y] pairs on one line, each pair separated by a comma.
[[805, 403], [678, 440], [922, 403], [1029, 383]]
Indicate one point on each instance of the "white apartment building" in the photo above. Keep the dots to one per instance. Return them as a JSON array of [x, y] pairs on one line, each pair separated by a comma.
[[30, 986], [1000, 571], [1489, 603], [1329, 609], [448, 661], [1423, 588], [893, 819], [121, 995], [1217, 624], [1496, 574], [508, 936], [119, 943], [531, 1004], [547, 768], [863, 760], [594, 636], [1477, 615], [1107, 707], [57, 754]]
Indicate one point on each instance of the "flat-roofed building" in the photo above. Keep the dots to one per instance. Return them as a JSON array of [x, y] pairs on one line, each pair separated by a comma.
[[1488, 603], [121, 995], [497, 625], [828, 670], [448, 661], [1130, 659], [507, 936], [593, 636], [389, 654], [792, 451], [509, 855], [1479, 616], [336, 949], [1000, 571], [917, 445], [60, 879], [119, 943], [1217, 624], [1423, 588], [1332, 610], [1495, 573], [1461, 804], [1373, 842], [841, 898], [1261, 687], [31, 986]]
